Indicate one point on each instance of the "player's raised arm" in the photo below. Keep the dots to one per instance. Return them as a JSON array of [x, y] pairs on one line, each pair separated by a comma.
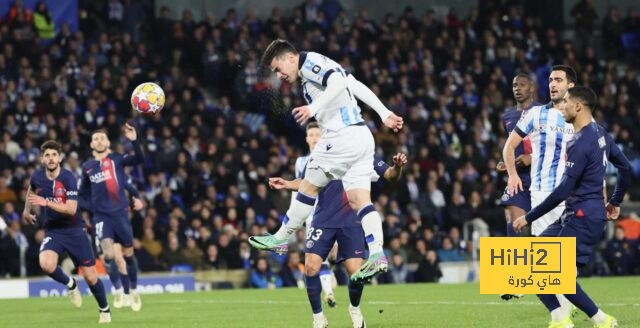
[[367, 96], [393, 173], [130, 133]]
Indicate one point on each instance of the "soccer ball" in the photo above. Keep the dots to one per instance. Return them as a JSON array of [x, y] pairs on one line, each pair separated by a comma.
[[147, 98]]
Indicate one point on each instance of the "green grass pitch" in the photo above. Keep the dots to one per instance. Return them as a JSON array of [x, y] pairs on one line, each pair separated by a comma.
[[415, 305]]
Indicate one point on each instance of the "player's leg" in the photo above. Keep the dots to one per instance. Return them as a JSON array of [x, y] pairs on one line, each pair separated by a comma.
[[48, 258], [124, 233], [121, 295], [352, 249], [318, 245], [105, 234], [360, 201], [300, 209], [326, 280], [81, 253]]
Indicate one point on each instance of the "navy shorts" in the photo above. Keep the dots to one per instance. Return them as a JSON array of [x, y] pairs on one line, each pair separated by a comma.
[[75, 243], [351, 242], [588, 232], [522, 200], [115, 226]]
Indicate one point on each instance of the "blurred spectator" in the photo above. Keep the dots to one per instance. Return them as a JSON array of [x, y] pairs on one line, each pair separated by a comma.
[[193, 254], [211, 260], [292, 273], [449, 252], [45, 26], [173, 255], [399, 269], [429, 268], [262, 277], [620, 253]]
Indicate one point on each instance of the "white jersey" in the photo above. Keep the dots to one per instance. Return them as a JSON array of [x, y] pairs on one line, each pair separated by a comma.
[[549, 135], [343, 110]]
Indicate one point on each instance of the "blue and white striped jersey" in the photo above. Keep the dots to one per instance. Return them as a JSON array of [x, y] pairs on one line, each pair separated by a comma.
[[314, 72], [549, 135]]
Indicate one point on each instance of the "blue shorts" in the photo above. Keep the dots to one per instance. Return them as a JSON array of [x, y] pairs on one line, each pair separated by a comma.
[[75, 243], [588, 233], [522, 200], [115, 226], [351, 243]]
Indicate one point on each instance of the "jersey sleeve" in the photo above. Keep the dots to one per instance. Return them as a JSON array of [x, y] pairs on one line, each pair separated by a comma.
[[525, 125], [138, 158], [315, 69], [299, 168], [71, 186], [380, 167], [576, 159]]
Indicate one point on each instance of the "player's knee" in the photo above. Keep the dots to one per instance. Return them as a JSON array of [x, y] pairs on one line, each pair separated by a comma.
[[312, 268], [90, 276], [47, 265], [127, 252]]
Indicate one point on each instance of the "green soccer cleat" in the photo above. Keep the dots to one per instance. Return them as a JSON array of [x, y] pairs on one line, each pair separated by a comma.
[[269, 243], [375, 264], [566, 323], [610, 323]]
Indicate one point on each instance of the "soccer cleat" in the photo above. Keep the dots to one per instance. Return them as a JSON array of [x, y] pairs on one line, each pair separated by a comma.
[[356, 317], [105, 317], [331, 300], [566, 323], [136, 301], [126, 300], [74, 294], [269, 243], [610, 323], [118, 300], [375, 264], [507, 297], [320, 322], [574, 311]]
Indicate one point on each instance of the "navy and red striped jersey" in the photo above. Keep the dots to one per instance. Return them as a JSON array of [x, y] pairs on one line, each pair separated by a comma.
[[59, 190]]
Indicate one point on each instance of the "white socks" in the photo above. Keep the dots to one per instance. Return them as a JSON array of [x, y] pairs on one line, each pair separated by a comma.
[[300, 209], [372, 226]]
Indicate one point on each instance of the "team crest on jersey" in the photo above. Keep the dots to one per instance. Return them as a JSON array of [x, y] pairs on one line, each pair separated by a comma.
[[602, 143], [59, 192], [309, 244], [505, 196], [316, 69], [105, 164]]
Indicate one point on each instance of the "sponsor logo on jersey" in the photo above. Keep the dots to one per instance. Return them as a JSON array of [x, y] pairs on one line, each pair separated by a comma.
[[100, 177]]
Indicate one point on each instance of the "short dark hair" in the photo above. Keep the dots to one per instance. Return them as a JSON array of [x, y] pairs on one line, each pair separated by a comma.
[[100, 130], [275, 49], [51, 144], [312, 125], [524, 76], [572, 77], [585, 95]]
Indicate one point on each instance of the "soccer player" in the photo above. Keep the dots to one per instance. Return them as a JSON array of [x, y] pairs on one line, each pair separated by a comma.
[[55, 190], [104, 180], [516, 206], [313, 135], [345, 150], [585, 217], [546, 129], [334, 221], [121, 295]]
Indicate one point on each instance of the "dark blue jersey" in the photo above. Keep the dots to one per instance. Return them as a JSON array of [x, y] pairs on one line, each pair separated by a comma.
[[510, 119], [333, 210], [103, 181], [59, 190]]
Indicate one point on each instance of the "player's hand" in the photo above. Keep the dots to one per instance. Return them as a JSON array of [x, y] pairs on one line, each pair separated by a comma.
[[501, 167], [29, 218], [137, 204], [523, 160], [519, 223], [302, 114], [277, 183], [399, 160], [130, 132], [394, 122], [37, 200], [613, 212], [514, 185]]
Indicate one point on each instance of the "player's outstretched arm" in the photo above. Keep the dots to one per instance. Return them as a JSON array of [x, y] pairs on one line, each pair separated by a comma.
[[558, 195], [508, 154], [362, 92], [280, 183], [394, 172], [620, 161], [130, 133]]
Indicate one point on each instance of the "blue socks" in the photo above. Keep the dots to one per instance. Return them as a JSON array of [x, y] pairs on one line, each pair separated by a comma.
[[582, 301], [60, 276], [355, 293], [132, 270], [314, 289], [114, 274], [101, 296]]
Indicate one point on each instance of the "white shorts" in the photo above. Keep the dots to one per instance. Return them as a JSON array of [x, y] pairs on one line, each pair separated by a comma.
[[345, 155], [546, 220]]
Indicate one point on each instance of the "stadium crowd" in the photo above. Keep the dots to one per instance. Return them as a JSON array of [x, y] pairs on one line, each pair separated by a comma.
[[226, 126]]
